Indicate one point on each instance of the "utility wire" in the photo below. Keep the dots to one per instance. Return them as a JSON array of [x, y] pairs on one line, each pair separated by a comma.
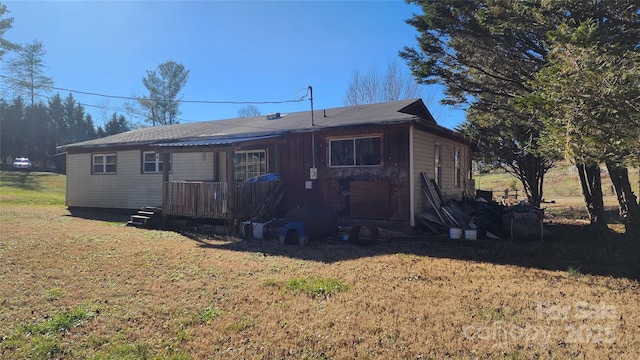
[[182, 101]]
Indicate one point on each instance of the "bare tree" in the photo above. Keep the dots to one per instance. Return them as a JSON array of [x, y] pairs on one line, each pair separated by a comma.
[[374, 87], [164, 85], [26, 70], [248, 111]]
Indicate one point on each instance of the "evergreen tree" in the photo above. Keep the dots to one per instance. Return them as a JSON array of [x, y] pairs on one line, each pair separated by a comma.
[[117, 124], [5, 24], [484, 53]]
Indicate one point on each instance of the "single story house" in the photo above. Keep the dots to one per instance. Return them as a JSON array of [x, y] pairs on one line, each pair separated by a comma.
[[366, 162]]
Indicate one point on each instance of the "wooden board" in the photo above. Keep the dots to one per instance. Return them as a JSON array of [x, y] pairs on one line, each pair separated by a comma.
[[369, 200]]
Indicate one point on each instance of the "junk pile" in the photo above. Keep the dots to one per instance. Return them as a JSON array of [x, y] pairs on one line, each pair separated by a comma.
[[257, 203], [478, 218]]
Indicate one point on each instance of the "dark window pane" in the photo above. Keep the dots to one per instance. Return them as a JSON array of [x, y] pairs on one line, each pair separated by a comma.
[[342, 152], [368, 151]]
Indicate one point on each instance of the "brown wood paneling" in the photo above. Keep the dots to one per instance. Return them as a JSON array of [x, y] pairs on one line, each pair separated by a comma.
[[369, 200]]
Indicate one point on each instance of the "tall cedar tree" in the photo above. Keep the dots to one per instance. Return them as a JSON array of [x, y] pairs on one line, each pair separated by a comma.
[[489, 54], [592, 61], [485, 53]]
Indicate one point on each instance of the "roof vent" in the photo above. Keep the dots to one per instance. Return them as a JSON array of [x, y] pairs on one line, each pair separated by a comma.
[[273, 116]]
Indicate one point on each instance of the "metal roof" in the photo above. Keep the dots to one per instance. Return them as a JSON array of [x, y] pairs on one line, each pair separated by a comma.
[[212, 142]]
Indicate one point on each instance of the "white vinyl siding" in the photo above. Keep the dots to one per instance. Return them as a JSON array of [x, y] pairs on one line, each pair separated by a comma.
[[424, 145], [192, 166], [129, 188]]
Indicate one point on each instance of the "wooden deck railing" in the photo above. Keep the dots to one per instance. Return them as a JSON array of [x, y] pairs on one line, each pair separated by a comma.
[[198, 199]]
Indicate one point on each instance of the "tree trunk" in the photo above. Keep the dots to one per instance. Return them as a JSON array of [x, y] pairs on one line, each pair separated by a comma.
[[531, 170], [591, 183], [629, 207]]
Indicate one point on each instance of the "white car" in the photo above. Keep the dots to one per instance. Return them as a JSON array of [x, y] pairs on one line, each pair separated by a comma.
[[21, 163]]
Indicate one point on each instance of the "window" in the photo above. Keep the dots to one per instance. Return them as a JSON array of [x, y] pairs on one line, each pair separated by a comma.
[[103, 164], [152, 162], [355, 152], [249, 164], [458, 173], [438, 165]]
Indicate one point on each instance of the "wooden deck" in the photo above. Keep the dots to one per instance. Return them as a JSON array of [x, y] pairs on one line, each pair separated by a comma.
[[196, 199]]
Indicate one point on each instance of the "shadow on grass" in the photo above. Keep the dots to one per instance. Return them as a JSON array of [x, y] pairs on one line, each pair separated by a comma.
[[577, 249], [21, 179]]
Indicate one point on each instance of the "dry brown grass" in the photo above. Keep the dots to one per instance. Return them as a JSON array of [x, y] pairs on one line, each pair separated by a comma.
[[156, 294]]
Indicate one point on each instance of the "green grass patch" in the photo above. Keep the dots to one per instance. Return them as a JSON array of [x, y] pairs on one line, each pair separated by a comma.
[[32, 188], [316, 287], [574, 271], [58, 323], [43, 339], [244, 324], [208, 315]]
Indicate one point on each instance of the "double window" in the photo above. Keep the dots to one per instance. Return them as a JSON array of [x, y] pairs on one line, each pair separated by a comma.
[[152, 162], [103, 164], [363, 151], [249, 164]]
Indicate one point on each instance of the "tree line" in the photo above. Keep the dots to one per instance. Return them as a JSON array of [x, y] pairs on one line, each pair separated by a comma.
[[34, 130], [543, 81], [32, 127]]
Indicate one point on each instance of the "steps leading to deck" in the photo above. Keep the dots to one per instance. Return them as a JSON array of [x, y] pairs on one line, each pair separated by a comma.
[[146, 217]]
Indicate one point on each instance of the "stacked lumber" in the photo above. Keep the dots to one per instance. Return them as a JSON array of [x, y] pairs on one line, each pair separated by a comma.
[[440, 215]]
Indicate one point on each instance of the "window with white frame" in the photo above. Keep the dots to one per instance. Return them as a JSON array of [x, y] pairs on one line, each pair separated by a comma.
[[438, 165], [458, 174], [103, 164], [363, 151], [249, 164], [152, 162]]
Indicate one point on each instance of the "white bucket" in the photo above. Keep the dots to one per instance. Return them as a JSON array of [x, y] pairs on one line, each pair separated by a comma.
[[455, 233], [257, 230], [471, 234]]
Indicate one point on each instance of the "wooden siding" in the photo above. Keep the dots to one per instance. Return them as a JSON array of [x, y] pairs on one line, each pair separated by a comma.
[[332, 188], [369, 200], [424, 161]]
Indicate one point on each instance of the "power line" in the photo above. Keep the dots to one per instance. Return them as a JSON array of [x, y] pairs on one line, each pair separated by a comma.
[[182, 101]]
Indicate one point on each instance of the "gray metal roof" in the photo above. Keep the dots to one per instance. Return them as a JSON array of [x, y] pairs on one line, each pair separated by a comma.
[[391, 112], [212, 142]]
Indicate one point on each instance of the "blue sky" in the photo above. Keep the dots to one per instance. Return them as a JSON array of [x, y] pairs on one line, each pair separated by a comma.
[[235, 50]]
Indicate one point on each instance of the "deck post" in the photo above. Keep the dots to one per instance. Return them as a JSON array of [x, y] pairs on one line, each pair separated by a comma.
[[165, 186]]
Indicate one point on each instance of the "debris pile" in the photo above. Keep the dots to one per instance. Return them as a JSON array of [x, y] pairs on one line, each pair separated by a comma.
[[491, 220]]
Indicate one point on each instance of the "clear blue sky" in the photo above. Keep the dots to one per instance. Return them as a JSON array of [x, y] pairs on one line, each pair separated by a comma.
[[235, 50]]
